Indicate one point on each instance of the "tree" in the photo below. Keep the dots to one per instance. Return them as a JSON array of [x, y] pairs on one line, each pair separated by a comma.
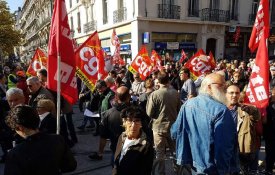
[[9, 37]]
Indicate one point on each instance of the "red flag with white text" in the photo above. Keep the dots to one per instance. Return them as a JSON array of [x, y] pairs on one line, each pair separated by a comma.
[[116, 43], [261, 25], [39, 61], [60, 42], [199, 64], [183, 56], [141, 63], [155, 61], [257, 92], [90, 64]]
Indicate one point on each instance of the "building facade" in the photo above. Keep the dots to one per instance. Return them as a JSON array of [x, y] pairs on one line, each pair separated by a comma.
[[168, 26]]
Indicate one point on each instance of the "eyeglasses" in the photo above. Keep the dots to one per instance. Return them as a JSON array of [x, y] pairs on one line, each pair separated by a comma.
[[30, 86], [231, 93], [131, 121]]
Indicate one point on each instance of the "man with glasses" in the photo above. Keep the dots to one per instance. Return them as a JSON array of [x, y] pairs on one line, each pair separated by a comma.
[[205, 133], [37, 91], [245, 118]]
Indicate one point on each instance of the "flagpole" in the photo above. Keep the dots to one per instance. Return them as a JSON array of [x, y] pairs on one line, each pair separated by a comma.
[[58, 95]]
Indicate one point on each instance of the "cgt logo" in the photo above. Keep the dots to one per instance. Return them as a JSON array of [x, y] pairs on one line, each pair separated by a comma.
[[199, 64], [88, 56]]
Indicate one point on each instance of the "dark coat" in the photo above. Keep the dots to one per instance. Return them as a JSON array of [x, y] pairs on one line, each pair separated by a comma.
[[40, 154], [138, 159], [48, 124]]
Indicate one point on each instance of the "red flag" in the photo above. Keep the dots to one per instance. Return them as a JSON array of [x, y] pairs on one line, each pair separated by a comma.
[[212, 60], [261, 25], [155, 61], [39, 61], [237, 34], [140, 65], [60, 43], [116, 43], [258, 88], [183, 56], [199, 64], [90, 61]]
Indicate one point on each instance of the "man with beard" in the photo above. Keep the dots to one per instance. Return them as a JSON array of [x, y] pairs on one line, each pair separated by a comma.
[[205, 133]]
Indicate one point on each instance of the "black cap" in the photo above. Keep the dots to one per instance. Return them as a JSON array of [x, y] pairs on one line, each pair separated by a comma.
[[100, 83]]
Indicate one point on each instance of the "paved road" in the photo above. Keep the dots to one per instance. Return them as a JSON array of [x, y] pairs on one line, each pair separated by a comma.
[[87, 143]]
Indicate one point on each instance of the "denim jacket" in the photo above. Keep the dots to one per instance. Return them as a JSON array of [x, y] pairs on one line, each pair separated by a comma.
[[206, 136]]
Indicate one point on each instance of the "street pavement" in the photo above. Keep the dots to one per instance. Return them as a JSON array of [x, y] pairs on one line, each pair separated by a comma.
[[87, 144]]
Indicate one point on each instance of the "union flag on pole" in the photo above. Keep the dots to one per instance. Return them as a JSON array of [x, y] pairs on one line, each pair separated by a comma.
[[257, 92], [60, 43], [200, 63], [39, 61], [155, 61], [90, 64], [141, 63], [116, 44], [183, 56], [261, 25]]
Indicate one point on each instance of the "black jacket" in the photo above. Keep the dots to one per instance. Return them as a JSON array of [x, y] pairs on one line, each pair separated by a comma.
[[48, 124], [40, 154]]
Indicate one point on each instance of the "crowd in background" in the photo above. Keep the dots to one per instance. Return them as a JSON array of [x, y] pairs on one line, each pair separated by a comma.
[[214, 133]]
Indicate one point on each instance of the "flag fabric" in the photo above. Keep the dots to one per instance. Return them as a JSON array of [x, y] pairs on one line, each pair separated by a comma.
[[237, 34], [261, 25], [155, 61], [90, 64], [212, 61], [39, 61], [116, 43], [199, 64], [60, 43], [141, 63], [257, 92], [183, 56]]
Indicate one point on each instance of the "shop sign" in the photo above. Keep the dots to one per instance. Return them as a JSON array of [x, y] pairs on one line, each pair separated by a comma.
[[106, 49], [160, 45], [187, 46], [172, 45], [125, 47]]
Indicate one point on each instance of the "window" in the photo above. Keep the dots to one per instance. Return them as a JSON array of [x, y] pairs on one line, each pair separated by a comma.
[[273, 13], [254, 7], [168, 2], [234, 6], [70, 2], [121, 4], [214, 4], [72, 25], [193, 8], [78, 23], [92, 12], [105, 12]]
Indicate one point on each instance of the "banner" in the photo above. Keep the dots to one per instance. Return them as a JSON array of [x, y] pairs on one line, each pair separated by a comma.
[[141, 63], [39, 61], [261, 25], [90, 64], [60, 43], [199, 64]]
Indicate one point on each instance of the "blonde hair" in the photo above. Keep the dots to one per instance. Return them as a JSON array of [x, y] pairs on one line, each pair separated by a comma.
[[47, 104]]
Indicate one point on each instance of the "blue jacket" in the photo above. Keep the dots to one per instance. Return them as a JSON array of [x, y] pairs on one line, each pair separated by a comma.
[[206, 136]]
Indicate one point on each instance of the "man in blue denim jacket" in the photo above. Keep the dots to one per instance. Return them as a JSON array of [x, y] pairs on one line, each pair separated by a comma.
[[205, 133]]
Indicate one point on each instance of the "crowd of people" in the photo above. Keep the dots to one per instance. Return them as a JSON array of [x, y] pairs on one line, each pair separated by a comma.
[[204, 122]]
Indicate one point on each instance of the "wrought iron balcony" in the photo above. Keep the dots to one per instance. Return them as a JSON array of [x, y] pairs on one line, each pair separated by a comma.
[[251, 19], [234, 17], [168, 11], [193, 13], [90, 26], [120, 15], [217, 15]]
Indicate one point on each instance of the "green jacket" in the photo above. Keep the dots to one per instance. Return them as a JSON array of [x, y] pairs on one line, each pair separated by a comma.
[[105, 100]]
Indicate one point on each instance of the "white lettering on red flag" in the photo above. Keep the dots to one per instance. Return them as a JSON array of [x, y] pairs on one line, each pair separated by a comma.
[[61, 43]]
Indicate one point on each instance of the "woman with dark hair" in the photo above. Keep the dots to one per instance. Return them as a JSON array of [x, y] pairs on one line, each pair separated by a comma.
[[38, 153], [134, 152]]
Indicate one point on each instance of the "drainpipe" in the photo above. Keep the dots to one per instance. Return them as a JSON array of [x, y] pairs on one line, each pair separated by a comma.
[[134, 10], [146, 12]]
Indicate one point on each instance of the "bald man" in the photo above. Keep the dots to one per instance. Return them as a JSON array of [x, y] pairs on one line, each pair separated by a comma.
[[111, 123], [205, 132]]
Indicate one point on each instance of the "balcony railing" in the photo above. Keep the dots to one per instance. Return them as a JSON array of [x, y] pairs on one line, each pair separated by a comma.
[[120, 15], [90, 26], [168, 11], [251, 19], [193, 13], [217, 15], [234, 17]]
